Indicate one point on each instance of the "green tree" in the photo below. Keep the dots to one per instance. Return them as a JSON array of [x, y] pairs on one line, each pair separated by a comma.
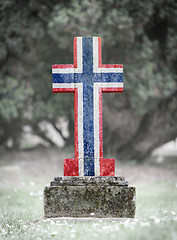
[[140, 34]]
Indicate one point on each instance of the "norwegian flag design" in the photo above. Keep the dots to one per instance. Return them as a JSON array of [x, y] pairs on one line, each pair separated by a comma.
[[88, 78]]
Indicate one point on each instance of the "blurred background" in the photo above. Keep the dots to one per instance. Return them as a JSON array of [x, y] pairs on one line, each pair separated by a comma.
[[139, 125], [141, 35]]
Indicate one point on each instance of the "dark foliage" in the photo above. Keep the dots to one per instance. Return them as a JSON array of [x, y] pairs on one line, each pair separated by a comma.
[[139, 34]]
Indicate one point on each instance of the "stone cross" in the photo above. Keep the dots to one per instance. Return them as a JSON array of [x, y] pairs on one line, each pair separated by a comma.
[[88, 78]]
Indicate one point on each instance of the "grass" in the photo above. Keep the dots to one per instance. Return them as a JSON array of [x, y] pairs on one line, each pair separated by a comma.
[[21, 202], [21, 216]]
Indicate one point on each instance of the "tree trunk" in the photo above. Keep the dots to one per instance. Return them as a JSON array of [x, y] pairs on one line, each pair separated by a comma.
[[156, 127]]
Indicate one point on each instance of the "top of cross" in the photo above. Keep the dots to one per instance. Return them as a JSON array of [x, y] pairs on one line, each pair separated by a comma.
[[87, 59]]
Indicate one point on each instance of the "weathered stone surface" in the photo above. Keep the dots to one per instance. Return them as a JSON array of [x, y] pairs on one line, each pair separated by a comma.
[[89, 197], [89, 180]]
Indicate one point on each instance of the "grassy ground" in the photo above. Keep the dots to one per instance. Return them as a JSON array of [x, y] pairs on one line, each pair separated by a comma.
[[21, 205]]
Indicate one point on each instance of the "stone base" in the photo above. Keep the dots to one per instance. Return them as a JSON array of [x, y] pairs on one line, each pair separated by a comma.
[[89, 197]]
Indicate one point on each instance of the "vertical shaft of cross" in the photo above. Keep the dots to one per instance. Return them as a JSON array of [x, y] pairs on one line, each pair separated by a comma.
[[88, 108]]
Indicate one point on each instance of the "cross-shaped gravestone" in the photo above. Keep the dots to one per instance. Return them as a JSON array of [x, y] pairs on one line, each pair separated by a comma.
[[88, 78]]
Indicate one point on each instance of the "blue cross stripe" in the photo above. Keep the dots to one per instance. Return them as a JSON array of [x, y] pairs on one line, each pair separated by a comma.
[[88, 78]]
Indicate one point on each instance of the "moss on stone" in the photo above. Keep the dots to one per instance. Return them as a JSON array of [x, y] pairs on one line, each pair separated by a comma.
[[103, 200]]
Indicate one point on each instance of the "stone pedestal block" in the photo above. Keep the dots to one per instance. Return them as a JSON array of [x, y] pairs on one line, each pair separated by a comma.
[[89, 197]]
